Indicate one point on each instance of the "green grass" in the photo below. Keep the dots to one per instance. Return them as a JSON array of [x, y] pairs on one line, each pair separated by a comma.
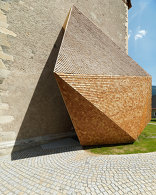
[[153, 120], [145, 143]]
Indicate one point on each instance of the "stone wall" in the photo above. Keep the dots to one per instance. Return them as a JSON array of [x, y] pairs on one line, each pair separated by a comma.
[[32, 109]]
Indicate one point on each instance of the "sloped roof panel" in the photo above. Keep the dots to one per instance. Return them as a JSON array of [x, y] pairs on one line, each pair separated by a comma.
[[86, 49]]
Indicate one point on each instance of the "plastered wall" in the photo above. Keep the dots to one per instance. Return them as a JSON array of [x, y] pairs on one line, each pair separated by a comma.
[[35, 109]]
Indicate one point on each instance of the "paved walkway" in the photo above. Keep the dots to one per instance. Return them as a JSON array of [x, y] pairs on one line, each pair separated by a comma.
[[67, 169]]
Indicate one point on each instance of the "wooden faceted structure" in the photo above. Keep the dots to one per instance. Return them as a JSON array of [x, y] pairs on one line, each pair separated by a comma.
[[107, 94]]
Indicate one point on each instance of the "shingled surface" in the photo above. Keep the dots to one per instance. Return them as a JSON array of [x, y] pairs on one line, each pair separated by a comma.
[[107, 94], [87, 50]]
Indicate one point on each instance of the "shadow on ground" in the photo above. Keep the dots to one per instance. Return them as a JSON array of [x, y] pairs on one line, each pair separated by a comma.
[[54, 147], [46, 113]]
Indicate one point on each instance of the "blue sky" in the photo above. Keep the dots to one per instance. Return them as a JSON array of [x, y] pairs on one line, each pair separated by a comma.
[[142, 35]]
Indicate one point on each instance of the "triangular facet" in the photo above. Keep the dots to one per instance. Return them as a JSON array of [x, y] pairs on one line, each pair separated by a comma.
[[86, 49], [104, 76], [146, 111], [91, 125], [122, 99]]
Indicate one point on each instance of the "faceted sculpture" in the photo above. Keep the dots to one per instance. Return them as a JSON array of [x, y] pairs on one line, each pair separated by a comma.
[[107, 94]]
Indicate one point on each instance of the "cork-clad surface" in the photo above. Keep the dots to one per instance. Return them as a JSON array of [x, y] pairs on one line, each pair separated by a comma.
[[92, 126], [107, 94], [87, 50], [125, 100]]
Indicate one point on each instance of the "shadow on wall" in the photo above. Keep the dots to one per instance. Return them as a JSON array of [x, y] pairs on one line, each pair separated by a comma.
[[46, 114]]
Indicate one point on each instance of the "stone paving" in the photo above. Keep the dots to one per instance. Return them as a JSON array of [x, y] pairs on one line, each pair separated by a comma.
[[68, 169]]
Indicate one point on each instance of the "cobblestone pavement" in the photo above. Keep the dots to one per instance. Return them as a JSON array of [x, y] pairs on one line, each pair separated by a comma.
[[71, 170]]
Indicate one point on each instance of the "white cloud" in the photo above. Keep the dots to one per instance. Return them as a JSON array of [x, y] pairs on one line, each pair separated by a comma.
[[143, 32], [129, 34], [140, 34]]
